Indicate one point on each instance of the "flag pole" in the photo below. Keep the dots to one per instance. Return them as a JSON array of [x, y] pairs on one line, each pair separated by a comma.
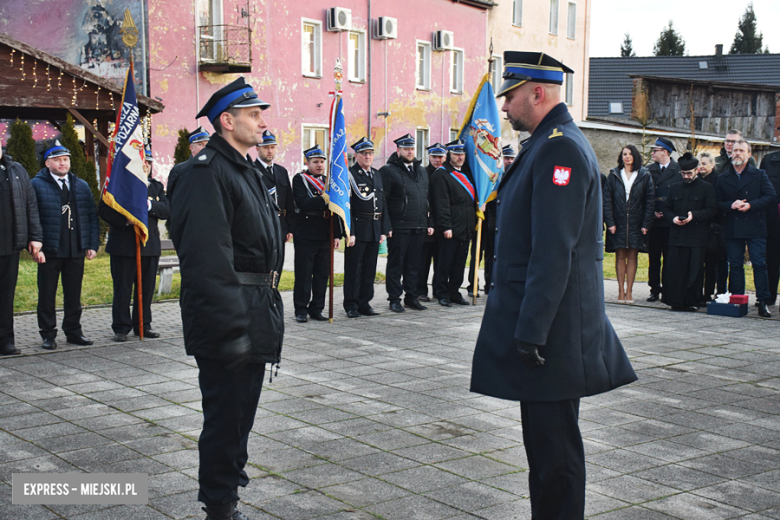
[[480, 214], [337, 76]]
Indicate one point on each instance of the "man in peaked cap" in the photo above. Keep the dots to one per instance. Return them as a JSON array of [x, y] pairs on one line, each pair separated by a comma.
[[198, 139], [369, 227], [405, 182], [71, 232], [229, 240], [545, 338], [665, 172], [277, 180], [509, 155], [436, 155]]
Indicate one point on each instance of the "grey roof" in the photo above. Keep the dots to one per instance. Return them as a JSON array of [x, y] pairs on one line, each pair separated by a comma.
[[609, 81]]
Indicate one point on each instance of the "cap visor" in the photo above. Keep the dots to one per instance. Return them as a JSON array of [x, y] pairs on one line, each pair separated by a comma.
[[508, 85], [252, 103]]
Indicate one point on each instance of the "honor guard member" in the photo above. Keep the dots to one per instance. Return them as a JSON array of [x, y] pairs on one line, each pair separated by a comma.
[[455, 219], [198, 140], [369, 227], [71, 231], [405, 182], [121, 246], [545, 339], [436, 154], [277, 181], [229, 240], [312, 238], [20, 228]]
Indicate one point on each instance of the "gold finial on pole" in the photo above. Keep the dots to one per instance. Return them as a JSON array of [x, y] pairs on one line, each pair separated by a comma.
[[491, 59], [338, 74], [129, 31]]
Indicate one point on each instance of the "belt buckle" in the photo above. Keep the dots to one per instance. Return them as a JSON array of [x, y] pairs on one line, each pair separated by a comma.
[[377, 216], [274, 279]]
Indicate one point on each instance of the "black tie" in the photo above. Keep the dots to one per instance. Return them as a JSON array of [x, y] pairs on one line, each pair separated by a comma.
[[64, 188]]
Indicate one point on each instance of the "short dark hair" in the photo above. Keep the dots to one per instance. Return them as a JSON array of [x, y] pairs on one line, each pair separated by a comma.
[[217, 124], [634, 153]]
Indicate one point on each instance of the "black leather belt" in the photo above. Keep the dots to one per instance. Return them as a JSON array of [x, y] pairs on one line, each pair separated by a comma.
[[323, 214], [373, 216], [267, 280]]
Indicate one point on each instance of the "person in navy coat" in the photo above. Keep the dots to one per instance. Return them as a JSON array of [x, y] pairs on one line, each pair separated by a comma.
[[545, 338], [743, 193]]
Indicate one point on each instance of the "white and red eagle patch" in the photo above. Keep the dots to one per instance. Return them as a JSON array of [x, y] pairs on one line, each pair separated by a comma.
[[561, 176]]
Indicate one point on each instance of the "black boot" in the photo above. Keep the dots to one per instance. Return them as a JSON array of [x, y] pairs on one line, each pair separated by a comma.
[[763, 311], [224, 512]]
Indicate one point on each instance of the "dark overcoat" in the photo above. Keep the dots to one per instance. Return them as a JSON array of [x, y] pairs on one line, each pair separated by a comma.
[[754, 187], [224, 222], [662, 181], [121, 235], [368, 209], [406, 194], [454, 207], [547, 286], [25, 225], [629, 217], [279, 178], [771, 165], [698, 198]]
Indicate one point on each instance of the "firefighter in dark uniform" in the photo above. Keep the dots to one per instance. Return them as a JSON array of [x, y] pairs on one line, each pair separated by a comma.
[[226, 231], [436, 154], [198, 139], [455, 218], [369, 227], [545, 338], [312, 238], [277, 180], [121, 247]]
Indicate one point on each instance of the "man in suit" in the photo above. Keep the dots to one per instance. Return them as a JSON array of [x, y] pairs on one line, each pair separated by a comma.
[[665, 172], [369, 227], [71, 232], [436, 154], [277, 180], [771, 165], [121, 247], [743, 194], [545, 338], [198, 139]]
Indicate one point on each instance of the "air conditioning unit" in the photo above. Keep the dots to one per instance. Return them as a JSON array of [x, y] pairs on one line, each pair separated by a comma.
[[386, 28], [339, 19], [443, 41]]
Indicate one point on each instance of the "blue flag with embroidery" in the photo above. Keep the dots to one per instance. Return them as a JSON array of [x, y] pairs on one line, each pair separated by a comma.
[[337, 188], [126, 186], [481, 131]]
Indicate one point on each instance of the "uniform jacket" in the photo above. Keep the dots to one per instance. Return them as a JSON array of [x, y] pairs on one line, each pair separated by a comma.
[[121, 236], [365, 226], [547, 286], [661, 183], [26, 226], [454, 209], [173, 177], [313, 217], [753, 186], [698, 197], [223, 221], [771, 165], [629, 217], [430, 171], [279, 178], [406, 194], [50, 210]]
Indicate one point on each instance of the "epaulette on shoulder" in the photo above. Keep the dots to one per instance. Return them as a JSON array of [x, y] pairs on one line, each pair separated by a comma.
[[204, 157], [555, 133]]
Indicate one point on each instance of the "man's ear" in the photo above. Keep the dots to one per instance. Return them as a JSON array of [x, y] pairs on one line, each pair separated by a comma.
[[226, 118]]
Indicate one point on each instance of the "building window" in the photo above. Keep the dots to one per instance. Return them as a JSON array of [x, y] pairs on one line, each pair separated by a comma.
[[571, 28], [314, 134], [312, 48], [517, 13], [456, 69], [554, 17], [454, 134], [421, 143], [616, 107], [357, 57], [498, 71], [570, 89], [423, 73]]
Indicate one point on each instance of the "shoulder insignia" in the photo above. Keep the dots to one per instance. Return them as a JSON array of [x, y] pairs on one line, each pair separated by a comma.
[[202, 157], [555, 133]]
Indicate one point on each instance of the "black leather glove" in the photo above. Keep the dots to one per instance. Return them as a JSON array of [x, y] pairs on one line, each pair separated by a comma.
[[530, 353]]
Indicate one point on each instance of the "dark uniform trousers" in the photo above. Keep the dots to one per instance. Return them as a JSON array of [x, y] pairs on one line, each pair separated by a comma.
[[450, 268], [403, 259], [123, 272], [429, 254], [659, 243], [9, 273], [359, 274], [230, 396], [72, 271], [773, 267], [556, 459], [312, 265]]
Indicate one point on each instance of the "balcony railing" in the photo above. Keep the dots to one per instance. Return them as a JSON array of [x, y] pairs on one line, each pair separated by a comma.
[[225, 48]]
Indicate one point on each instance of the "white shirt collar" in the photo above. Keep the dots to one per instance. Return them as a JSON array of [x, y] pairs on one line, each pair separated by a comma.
[[57, 179], [267, 165]]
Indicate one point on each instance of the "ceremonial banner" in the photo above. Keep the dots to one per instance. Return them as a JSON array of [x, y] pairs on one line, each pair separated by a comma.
[[337, 185], [126, 186], [481, 131]]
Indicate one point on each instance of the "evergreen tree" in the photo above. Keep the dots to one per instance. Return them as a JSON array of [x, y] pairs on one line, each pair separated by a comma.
[[21, 147], [182, 151], [78, 159], [746, 41], [669, 43], [627, 49]]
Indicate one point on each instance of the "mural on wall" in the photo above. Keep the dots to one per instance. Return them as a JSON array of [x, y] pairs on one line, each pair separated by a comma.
[[84, 33]]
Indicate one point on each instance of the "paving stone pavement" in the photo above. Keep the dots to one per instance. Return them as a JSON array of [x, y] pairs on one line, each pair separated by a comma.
[[372, 418]]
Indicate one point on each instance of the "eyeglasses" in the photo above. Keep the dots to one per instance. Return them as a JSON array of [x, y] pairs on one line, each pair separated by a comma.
[[730, 141]]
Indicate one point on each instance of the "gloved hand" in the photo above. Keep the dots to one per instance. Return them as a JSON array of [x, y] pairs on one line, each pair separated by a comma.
[[530, 353]]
